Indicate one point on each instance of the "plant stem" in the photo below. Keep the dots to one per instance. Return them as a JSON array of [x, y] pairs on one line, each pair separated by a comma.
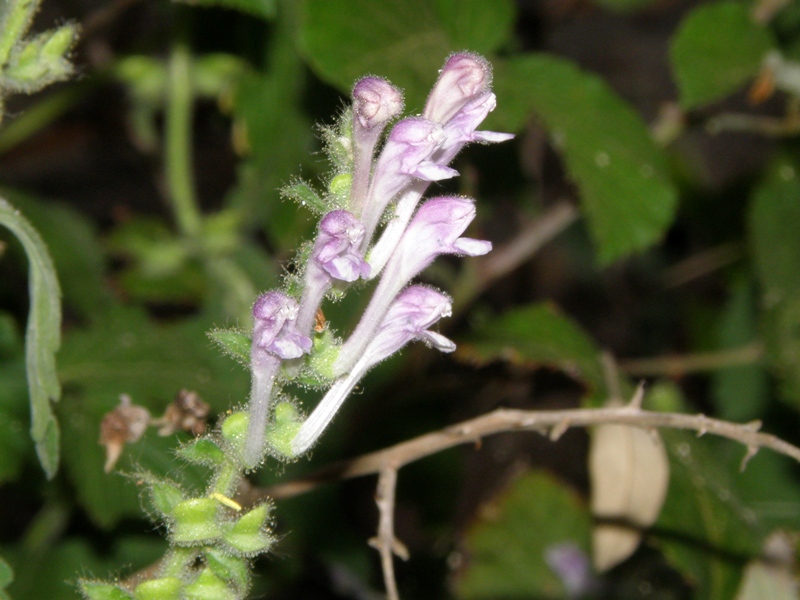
[[178, 159]]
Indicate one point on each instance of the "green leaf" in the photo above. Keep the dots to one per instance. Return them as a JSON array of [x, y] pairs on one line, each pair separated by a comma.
[[123, 351], [266, 9], [774, 214], [775, 248], [537, 335], [510, 545], [717, 48], [406, 42], [77, 254], [705, 530], [740, 392], [42, 337], [233, 342], [6, 573], [626, 192]]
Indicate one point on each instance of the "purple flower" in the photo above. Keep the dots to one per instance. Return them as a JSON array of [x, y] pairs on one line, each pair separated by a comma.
[[435, 229], [375, 103], [462, 76], [336, 255], [408, 318], [461, 129], [404, 159], [274, 330]]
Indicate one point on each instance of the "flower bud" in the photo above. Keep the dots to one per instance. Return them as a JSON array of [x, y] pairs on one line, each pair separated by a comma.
[[463, 76]]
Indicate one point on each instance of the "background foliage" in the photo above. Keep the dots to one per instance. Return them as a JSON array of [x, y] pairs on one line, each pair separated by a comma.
[[672, 126]]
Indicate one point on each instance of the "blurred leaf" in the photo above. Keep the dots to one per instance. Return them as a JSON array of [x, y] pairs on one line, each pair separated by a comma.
[[537, 335], [277, 136], [626, 192], [42, 337], [774, 215], [69, 559], [717, 48], [740, 392], [265, 9], [406, 42], [125, 352], [625, 5], [704, 530], [13, 420], [516, 536], [775, 246], [629, 472], [76, 252], [6, 573]]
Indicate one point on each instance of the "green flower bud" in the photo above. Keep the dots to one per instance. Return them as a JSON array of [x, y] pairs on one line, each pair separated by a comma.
[[203, 451], [233, 569], [284, 427], [208, 586], [195, 521], [60, 42], [164, 588], [166, 495], [96, 590], [234, 431], [248, 534]]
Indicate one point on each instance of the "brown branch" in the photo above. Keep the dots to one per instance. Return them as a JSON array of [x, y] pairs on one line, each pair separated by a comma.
[[385, 542], [503, 420]]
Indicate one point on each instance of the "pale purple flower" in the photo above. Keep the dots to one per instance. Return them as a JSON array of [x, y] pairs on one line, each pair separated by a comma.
[[375, 103], [435, 229], [572, 566], [408, 318], [274, 330], [336, 256], [461, 129], [405, 158], [275, 337], [458, 131], [463, 75]]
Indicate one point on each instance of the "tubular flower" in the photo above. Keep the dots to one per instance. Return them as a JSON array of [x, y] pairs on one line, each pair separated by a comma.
[[409, 317], [435, 229]]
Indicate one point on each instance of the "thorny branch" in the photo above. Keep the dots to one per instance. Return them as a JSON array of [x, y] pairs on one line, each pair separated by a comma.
[[546, 422]]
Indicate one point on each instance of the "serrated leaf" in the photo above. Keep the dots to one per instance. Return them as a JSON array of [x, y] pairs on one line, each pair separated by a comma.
[[626, 192], [517, 534], [233, 342], [42, 337], [537, 335], [629, 472], [406, 42], [717, 48]]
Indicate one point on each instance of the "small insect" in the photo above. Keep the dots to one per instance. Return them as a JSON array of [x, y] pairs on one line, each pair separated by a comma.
[[223, 499], [319, 321]]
